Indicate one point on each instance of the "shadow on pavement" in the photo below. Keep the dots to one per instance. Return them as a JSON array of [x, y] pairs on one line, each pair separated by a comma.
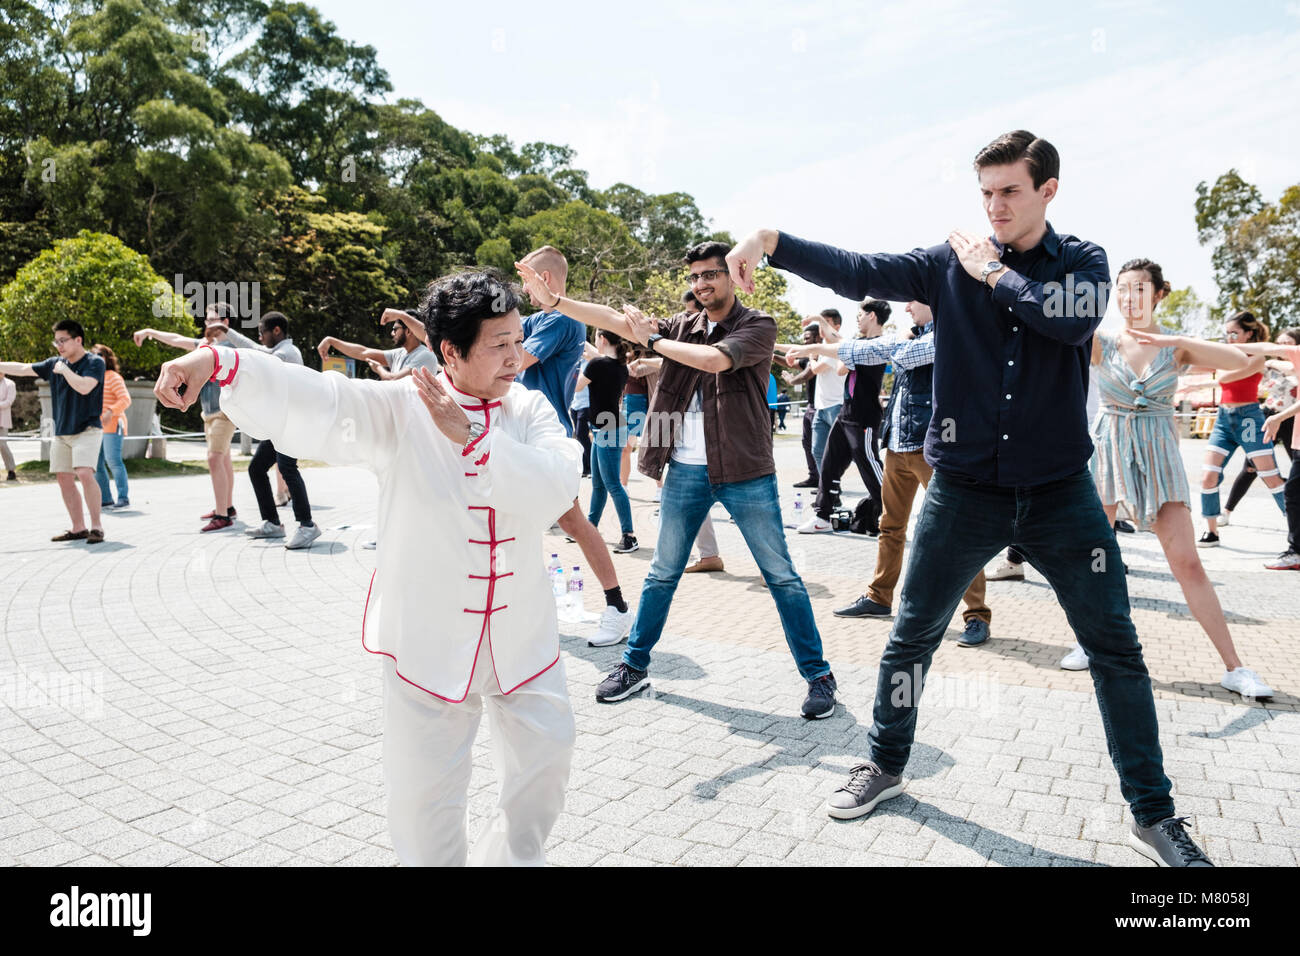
[[965, 833]]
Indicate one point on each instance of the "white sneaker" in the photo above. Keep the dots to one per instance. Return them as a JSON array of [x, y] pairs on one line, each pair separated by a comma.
[[1076, 660], [303, 537], [614, 625], [1245, 682], [1224, 519], [814, 525], [267, 529], [659, 494], [369, 545], [1006, 571]]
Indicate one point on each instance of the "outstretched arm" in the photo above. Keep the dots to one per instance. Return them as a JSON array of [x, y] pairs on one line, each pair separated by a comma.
[[351, 349], [22, 369], [1192, 351], [306, 414], [854, 275], [588, 313], [175, 340]]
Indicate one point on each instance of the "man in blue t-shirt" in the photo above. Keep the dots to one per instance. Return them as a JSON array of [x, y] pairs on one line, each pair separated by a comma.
[[76, 380], [552, 346]]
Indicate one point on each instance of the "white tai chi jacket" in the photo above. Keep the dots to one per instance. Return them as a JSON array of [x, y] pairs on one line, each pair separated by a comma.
[[460, 570]]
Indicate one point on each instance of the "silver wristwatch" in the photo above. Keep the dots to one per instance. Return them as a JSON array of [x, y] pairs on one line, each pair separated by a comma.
[[476, 430], [990, 267]]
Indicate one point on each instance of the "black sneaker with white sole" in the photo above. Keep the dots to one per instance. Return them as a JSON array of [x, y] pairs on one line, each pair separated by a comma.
[[623, 683], [627, 545], [820, 701], [1167, 843], [1208, 540], [868, 785]]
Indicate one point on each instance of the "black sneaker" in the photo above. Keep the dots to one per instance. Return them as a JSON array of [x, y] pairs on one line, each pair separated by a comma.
[[820, 701], [868, 785], [1167, 843], [624, 682], [1124, 527], [627, 545], [1208, 540], [864, 607], [807, 483]]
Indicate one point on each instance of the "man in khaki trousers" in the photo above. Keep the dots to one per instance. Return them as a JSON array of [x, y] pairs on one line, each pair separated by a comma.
[[905, 422]]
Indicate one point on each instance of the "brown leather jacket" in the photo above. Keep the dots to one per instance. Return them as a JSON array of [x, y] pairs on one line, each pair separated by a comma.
[[737, 425]]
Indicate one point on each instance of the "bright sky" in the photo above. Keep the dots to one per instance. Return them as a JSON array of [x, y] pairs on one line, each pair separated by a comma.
[[856, 123]]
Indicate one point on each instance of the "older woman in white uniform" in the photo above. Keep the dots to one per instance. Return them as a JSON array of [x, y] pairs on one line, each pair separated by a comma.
[[472, 469]]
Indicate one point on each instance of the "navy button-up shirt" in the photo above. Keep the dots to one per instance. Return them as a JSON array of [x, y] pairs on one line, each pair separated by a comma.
[[1011, 363]]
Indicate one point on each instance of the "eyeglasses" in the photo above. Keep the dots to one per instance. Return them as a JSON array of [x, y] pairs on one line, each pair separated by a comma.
[[708, 275], [58, 342], [1232, 335]]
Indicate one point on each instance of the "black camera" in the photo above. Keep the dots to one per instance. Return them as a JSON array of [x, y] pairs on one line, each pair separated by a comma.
[[841, 519]]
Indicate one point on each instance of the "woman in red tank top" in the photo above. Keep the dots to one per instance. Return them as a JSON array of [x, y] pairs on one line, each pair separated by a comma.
[[1239, 422]]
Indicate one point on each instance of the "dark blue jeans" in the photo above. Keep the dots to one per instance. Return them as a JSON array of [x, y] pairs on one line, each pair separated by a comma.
[[606, 456], [1061, 528], [687, 497]]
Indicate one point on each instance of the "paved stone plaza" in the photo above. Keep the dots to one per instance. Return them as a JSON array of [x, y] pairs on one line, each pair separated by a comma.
[[171, 698]]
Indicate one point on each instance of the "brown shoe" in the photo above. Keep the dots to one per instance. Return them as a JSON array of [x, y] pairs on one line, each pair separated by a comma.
[[96, 536], [705, 564], [72, 536]]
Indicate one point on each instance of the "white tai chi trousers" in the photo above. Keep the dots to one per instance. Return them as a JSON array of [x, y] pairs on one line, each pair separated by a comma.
[[428, 758]]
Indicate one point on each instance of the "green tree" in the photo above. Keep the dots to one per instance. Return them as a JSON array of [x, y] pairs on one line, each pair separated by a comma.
[[606, 264], [1182, 312], [328, 274], [1256, 247], [105, 286]]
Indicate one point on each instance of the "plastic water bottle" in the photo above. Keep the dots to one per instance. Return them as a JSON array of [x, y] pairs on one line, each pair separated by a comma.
[[555, 571], [798, 508], [575, 593]]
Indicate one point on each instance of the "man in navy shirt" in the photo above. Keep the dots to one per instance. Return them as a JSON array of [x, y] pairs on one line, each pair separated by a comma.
[[1014, 317], [76, 380], [552, 347]]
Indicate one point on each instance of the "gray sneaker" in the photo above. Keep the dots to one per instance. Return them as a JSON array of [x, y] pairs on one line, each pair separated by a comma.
[[867, 786], [267, 529], [1167, 843], [303, 537]]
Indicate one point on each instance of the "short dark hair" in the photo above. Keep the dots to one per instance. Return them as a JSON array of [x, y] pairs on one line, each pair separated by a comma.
[[1042, 157], [879, 307], [688, 298], [220, 310], [834, 315], [710, 249], [276, 320], [813, 327], [72, 327], [454, 307]]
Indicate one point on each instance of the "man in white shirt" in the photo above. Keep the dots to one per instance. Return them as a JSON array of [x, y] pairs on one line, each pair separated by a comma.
[[473, 468]]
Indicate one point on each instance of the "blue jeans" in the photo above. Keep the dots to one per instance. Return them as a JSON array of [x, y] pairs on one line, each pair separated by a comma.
[[687, 497], [606, 457], [1242, 427], [1061, 528], [822, 423], [110, 456]]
